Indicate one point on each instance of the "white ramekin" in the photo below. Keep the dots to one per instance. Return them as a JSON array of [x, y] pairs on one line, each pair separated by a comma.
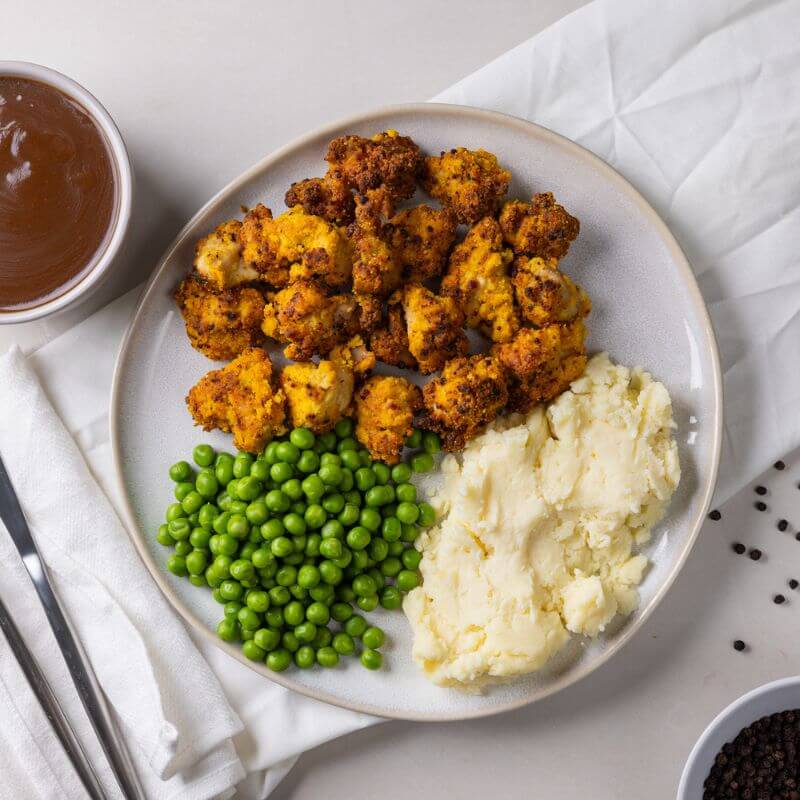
[[123, 175], [761, 702]]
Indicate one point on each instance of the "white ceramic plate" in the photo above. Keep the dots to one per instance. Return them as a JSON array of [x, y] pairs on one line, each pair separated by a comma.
[[647, 311]]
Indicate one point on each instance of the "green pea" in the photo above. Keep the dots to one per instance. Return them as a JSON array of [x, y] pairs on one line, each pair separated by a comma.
[[198, 580], [222, 565], [373, 638], [313, 542], [378, 550], [330, 474], [427, 516], [238, 507], [175, 511], [305, 657], [281, 472], [351, 460], [326, 442], [358, 538], [288, 452], [360, 560], [306, 632], [347, 479], [231, 590], [262, 558], [290, 641], [354, 498], [411, 559], [216, 596], [332, 529], [349, 515], [206, 516], [308, 576], [341, 612], [257, 513], [295, 558], [391, 529], [367, 602], [390, 598], [260, 471], [315, 516], [249, 488], [299, 507], [414, 440], [179, 529], [231, 609], [382, 473], [323, 638], [345, 594], [272, 529], [407, 580], [407, 513], [331, 548], [302, 438], [286, 576], [370, 519], [294, 613], [267, 638], [177, 565], [277, 501], [391, 567], [313, 488], [238, 526], [271, 453], [308, 462], [333, 503], [294, 524], [364, 479], [203, 455], [355, 626], [207, 484], [220, 524], [431, 443], [371, 659], [364, 586], [180, 471], [241, 465], [343, 644], [410, 533], [348, 443], [252, 651], [422, 462], [258, 600], [274, 617], [330, 573], [327, 657], [298, 592], [406, 493], [196, 562], [318, 613], [224, 469], [183, 548], [281, 547], [228, 630], [293, 489], [164, 537], [375, 497], [249, 619], [279, 660], [343, 428]]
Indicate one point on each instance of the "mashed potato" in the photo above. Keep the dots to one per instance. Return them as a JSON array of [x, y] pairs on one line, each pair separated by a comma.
[[541, 516]]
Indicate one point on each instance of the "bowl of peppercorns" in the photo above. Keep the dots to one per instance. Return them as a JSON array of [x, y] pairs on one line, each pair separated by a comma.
[[750, 750]]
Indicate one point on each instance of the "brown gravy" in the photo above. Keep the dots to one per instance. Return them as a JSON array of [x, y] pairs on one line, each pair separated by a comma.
[[57, 193]]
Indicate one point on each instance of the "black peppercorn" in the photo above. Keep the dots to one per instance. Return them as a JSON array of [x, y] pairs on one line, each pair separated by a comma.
[[755, 554], [793, 584], [779, 465], [738, 548], [778, 599], [715, 515], [760, 505], [783, 524], [761, 490], [739, 645]]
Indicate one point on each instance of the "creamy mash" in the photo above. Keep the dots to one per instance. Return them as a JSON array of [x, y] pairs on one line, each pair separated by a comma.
[[541, 516]]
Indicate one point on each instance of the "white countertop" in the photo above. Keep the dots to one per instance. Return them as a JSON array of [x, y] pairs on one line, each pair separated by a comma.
[[201, 90]]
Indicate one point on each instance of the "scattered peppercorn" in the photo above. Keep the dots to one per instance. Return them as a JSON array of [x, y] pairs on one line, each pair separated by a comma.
[[763, 761], [760, 505], [779, 465], [715, 515], [738, 548], [755, 554], [778, 599], [783, 524], [793, 584], [739, 645], [761, 490]]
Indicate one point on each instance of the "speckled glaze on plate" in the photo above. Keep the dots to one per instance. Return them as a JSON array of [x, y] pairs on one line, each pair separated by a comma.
[[647, 310]]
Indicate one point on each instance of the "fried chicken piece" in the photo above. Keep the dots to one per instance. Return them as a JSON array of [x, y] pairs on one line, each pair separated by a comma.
[[540, 228], [328, 197], [376, 270], [317, 395], [469, 394], [470, 182], [355, 355], [542, 363], [385, 408], [311, 321], [390, 343], [435, 328], [295, 245], [218, 257], [241, 399], [421, 239], [220, 324], [387, 160], [546, 295], [478, 280]]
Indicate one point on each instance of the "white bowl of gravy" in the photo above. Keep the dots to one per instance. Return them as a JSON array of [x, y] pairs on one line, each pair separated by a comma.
[[66, 190]]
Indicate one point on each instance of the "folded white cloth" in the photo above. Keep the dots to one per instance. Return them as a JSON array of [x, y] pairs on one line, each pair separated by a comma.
[[696, 104]]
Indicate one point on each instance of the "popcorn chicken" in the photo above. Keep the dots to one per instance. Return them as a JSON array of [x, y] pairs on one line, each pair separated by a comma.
[[318, 395], [421, 238], [540, 228], [546, 295], [218, 258]]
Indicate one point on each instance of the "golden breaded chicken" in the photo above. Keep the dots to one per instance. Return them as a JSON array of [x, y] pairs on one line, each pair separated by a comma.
[[542, 363], [241, 399], [328, 197], [387, 160], [470, 182], [220, 324], [295, 245], [385, 408], [310, 320], [421, 239], [545, 294], [317, 395], [435, 328], [376, 270], [540, 228], [355, 355], [218, 257], [470, 393], [390, 343], [478, 280]]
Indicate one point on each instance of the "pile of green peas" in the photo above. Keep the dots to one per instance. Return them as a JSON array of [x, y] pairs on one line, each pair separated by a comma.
[[290, 539]]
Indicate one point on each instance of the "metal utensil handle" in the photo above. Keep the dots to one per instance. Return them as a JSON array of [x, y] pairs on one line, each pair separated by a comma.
[[51, 707], [78, 665]]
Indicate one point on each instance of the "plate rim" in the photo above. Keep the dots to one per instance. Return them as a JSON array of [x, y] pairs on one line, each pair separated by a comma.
[[689, 281]]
